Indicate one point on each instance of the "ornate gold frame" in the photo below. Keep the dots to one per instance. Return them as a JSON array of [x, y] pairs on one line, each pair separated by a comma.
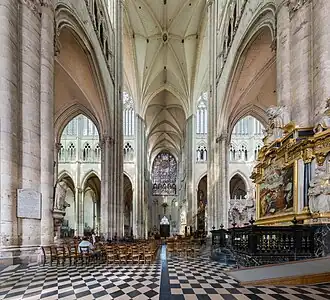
[[286, 151], [280, 217]]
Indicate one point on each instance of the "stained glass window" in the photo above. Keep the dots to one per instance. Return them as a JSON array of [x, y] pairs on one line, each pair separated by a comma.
[[164, 173]]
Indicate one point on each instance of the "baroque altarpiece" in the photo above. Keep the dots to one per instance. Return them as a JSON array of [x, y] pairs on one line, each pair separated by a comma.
[[292, 175]]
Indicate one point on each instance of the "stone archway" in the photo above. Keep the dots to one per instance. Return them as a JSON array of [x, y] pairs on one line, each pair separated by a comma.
[[90, 213]]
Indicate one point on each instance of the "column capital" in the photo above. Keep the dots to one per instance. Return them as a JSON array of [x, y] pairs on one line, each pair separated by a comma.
[[47, 4], [107, 141], [295, 5], [222, 137], [58, 146], [210, 2], [33, 5]]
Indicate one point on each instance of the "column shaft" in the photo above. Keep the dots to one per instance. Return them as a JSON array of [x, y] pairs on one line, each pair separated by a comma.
[[321, 56], [9, 114], [79, 197], [300, 41], [30, 112], [47, 123], [283, 60]]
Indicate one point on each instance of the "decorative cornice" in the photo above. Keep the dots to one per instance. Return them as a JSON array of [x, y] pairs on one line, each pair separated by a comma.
[[295, 5], [34, 5]]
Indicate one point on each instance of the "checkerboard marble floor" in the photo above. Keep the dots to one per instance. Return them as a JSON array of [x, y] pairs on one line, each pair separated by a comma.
[[194, 278], [81, 282], [203, 279]]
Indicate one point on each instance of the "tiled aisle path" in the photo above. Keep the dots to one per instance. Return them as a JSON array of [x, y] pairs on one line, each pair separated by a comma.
[[172, 278]]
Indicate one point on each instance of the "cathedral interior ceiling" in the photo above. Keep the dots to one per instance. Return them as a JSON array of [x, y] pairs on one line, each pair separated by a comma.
[[74, 82], [254, 81], [163, 64], [165, 121]]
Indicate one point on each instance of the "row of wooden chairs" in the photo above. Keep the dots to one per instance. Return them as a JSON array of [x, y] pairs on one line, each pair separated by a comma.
[[114, 253], [182, 247], [139, 252]]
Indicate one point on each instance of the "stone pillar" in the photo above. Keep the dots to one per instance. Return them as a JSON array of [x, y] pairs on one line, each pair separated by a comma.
[[283, 60], [222, 182], [47, 122], [212, 117], [9, 122], [79, 197], [301, 75], [321, 56], [29, 229], [106, 143], [138, 196], [190, 195]]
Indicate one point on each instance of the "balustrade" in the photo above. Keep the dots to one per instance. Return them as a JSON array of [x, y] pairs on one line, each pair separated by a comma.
[[258, 245]]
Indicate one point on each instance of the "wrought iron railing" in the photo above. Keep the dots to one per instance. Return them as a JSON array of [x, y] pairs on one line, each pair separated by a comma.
[[259, 245]]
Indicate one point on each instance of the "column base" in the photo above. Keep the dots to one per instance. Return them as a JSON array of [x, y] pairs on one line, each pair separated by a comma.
[[14, 255]]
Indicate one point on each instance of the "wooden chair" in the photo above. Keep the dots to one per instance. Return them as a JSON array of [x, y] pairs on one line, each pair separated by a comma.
[[85, 254], [111, 254], [122, 255], [135, 255], [47, 252], [72, 253]]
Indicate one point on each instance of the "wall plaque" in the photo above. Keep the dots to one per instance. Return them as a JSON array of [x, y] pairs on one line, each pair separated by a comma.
[[28, 204]]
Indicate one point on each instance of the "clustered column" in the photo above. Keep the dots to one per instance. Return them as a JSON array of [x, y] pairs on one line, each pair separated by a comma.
[[283, 58], [139, 207], [211, 165], [46, 121], [301, 75], [191, 200], [321, 56], [9, 119], [26, 128]]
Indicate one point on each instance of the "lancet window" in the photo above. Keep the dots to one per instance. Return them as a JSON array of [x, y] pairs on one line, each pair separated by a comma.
[[97, 151], [232, 152], [164, 175], [129, 115], [201, 114]]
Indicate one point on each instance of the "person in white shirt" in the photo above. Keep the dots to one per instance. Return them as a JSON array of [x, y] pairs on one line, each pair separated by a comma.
[[85, 243]]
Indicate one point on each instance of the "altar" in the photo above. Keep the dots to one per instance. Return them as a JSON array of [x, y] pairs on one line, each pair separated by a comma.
[[292, 174]]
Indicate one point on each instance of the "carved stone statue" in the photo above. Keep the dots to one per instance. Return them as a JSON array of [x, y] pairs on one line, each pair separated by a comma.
[[324, 119], [277, 117], [319, 191], [242, 209], [60, 194]]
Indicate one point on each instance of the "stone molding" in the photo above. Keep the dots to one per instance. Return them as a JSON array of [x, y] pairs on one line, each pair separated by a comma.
[[295, 5], [222, 137], [107, 140], [33, 5]]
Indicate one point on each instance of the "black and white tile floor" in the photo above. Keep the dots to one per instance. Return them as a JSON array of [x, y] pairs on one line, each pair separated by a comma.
[[176, 278]]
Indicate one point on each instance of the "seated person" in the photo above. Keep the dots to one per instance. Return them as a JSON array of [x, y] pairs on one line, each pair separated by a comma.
[[86, 243]]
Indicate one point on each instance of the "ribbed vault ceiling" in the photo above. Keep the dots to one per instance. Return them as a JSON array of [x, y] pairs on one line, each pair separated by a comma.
[[162, 50]]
